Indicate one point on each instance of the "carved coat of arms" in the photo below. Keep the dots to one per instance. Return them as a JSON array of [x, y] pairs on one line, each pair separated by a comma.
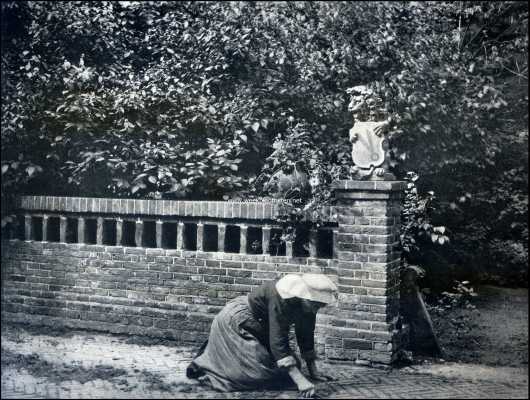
[[367, 143]]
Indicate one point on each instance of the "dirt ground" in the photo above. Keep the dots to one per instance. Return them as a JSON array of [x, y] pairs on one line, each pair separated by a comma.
[[67, 368], [494, 333], [38, 367], [488, 341]]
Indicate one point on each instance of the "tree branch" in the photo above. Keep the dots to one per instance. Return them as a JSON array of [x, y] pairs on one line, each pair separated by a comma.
[[513, 72]]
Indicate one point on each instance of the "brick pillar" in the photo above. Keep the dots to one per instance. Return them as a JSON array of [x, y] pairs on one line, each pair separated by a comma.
[[335, 241], [200, 236], [266, 239], [80, 230], [99, 231], [368, 257], [313, 237], [138, 232], [243, 239], [159, 233], [28, 227], [289, 248], [119, 231], [44, 228], [221, 232], [180, 235], [62, 229]]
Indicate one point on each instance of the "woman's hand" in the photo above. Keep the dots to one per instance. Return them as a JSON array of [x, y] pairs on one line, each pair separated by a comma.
[[306, 389]]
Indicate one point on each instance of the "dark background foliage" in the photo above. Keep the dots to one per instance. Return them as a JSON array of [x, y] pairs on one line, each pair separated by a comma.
[[208, 99]]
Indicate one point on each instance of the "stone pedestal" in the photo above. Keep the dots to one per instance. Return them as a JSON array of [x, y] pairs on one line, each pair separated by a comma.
[[368, 255]]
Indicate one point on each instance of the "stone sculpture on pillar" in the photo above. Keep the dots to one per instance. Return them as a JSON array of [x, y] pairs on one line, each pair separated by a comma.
[[369, 135]]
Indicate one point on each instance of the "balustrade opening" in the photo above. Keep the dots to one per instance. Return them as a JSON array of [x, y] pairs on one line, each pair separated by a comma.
[[254, 240], [91, 227], [128, 233], [210, 238], [19, 228], [301, 242], [8, 231], [36, 228], [14, 229], [52, 229], [325, 243], [169, 235], [109, 232], [190, 236], [232, 239], [149, 234], [277, 245], [71, 230]]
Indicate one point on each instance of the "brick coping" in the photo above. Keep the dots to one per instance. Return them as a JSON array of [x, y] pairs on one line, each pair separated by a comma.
[[261, 210]]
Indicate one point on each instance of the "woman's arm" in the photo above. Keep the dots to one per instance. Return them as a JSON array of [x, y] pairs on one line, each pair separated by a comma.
[[305, 336], [280, 349]]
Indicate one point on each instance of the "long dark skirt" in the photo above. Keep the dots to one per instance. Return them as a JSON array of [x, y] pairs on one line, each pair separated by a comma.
[[234, 358]]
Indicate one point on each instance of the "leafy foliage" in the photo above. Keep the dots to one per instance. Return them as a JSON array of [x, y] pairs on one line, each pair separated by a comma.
[[461, 296], [417, 231], [196, 99]]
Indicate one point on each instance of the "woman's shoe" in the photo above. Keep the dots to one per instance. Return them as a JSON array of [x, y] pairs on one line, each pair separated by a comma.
[[193, 371]]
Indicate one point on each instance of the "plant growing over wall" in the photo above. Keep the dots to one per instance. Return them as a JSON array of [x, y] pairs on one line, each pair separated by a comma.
[[300, 172], [416, 224]]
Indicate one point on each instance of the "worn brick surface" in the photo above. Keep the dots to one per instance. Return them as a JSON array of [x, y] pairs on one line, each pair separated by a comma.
[[257, 210], [166, 364]]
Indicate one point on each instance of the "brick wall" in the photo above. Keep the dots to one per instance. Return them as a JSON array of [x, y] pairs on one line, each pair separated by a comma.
[[175, 292]]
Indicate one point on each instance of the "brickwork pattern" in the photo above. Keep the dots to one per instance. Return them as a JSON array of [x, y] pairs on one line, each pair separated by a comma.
[[167, 364], [158, 292]]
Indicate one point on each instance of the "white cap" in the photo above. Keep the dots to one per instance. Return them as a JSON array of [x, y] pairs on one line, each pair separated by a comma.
[[315, 287]]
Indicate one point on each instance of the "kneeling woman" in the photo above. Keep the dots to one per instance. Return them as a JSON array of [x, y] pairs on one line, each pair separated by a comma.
[[248, 347]]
